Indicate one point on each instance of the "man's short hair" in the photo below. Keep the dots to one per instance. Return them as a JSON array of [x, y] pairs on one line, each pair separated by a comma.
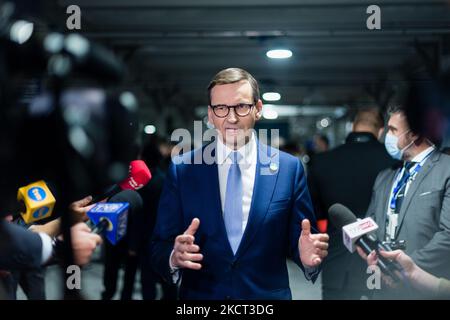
[[371, 117], [393, 109], [396, 108], [233, 75], [399, 108]]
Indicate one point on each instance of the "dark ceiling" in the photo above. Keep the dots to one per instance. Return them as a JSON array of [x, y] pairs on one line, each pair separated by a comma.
[[174, 47]]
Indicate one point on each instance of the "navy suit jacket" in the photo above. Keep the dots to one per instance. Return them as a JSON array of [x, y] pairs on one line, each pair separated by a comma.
[[20, 249], [258, 270]]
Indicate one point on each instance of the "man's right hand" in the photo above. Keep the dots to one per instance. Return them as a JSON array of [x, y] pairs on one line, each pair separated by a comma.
[[185, 252], [84, 243]]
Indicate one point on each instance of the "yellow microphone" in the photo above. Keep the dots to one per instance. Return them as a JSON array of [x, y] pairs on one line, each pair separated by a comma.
[[38, 201]]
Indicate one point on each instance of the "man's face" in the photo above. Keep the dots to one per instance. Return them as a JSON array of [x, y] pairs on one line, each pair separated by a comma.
[[320, 145], [234, 130], [398, 126]]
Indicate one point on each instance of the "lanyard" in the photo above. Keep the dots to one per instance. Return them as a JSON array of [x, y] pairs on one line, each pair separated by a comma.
[[410, 176]]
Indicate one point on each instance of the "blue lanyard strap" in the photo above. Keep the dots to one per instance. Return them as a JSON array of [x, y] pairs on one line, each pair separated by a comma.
[[410, 176]]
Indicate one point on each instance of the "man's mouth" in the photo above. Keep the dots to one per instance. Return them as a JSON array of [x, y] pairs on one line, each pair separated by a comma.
[[232, 131]]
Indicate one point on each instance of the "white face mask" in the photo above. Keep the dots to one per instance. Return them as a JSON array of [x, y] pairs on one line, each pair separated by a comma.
[[391, 144]]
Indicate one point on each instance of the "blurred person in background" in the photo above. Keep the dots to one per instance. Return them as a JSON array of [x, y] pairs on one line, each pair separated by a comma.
[[141, 239], [346, 175]]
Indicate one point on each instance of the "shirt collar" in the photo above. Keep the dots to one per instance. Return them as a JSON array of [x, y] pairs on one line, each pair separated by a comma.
[[421, 156], [247, 151]]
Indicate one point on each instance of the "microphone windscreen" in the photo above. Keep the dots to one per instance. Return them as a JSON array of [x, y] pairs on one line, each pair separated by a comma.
[[139, 176], [340, 215], [133, 198]]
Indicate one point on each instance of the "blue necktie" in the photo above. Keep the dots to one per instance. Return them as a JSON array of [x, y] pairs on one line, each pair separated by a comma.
[[402, 184], [233, 203]]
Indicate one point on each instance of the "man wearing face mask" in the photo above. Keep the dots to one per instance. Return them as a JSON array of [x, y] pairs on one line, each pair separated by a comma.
[[411, 203]]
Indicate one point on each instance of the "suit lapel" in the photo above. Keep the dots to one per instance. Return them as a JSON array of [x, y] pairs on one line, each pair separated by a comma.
[[386, 192], [414, 187], [262, 194]]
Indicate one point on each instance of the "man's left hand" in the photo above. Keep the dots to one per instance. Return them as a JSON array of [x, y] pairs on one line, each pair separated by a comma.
[[80, 208], [313, 248]]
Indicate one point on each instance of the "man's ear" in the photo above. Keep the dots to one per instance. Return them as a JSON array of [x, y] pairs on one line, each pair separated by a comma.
[[415, 137], [210, 115], [380, 133], [259, 106]]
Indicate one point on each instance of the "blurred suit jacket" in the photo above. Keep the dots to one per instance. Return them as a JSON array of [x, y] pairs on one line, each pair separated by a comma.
[[20, 250], [424, 218]]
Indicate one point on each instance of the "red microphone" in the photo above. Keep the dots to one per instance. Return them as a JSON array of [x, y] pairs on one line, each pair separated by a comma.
[[322, 225], [138, 176]]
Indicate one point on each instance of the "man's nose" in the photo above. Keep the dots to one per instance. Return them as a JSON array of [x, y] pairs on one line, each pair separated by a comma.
[[232, 117]]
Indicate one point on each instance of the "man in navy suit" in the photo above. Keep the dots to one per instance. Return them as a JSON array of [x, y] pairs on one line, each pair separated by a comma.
[[23, 250], [225, 227]]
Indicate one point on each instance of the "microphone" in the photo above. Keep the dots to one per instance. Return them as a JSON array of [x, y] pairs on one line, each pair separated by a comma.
[[361, 233], [36, 202], [138, 176], [111, 218], [94, 59]]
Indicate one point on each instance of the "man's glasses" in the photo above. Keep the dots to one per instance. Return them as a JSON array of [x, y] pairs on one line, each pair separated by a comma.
[[241, 109]]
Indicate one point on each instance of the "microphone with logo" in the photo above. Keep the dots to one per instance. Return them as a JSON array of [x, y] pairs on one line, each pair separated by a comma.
[[35, 202], [362, 233], [138, 176], [111, 218]]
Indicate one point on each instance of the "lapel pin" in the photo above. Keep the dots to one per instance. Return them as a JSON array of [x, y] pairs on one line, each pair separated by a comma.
[[273, 167]]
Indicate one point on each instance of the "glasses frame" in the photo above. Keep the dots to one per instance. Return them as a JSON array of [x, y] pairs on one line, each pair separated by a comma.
[[250, 105]]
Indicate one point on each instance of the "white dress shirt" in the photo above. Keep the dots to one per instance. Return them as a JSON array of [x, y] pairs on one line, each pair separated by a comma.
[[47, 247]]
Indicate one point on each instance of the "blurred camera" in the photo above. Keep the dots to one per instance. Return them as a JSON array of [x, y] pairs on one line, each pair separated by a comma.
[[394, 245]]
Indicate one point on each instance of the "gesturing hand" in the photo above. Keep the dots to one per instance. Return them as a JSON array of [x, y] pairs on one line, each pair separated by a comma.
[[185, 252], [312, 247]]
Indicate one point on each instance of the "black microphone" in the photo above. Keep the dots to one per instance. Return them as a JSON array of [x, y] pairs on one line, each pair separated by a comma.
[[35, 48], [91, 58], [341, 216]]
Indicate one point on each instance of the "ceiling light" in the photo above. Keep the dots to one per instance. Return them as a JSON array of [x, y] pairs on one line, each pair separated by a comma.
[[21, 31], [149, 129], [270, 113], [279, 54], [271, 96]]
